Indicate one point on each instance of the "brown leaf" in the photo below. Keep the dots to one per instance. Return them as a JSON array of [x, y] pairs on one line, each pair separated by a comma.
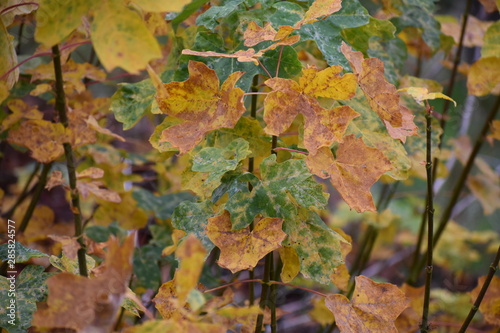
[[55, 179], [490, 306], [374, 307], [242, 249], [201, 104], [20, 110], [94, 187], [355, 169], [89, 304], [254, 34], [381, 94], [288, 99]]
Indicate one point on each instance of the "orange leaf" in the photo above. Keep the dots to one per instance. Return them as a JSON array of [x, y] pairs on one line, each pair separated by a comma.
[[490, 306], [356, 168], [289, 98], [242, 249], [381, 94], [201, 104], [374, 307], [85, 304]]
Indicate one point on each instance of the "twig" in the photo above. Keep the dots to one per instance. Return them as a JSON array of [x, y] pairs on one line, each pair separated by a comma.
[[491, 272], [279, 61], [424, 326], [264, 68], [68, 152]]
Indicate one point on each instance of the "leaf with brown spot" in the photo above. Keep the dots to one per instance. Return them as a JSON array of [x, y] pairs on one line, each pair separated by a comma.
[[201, 104], [45, 140], [242, 249], [381, 94], [318, 9], [89, 304], [288, 99], [20, 110], [374, 307], [254, 34], [354, 170], [490, 306]]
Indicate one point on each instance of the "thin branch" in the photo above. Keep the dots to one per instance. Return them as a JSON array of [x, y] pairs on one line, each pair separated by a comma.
[[24, 193], [491, 272], [279, 61], [264, 68], [424, 326], [68, 152]]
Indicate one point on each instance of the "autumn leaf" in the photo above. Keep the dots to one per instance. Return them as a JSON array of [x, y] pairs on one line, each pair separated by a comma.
[[382, 95], [484, 77], [191, 255], [161, 6], [117, 35], [89, 304], [45, 140], [166, 300], [491, 302], [374, 307], [8, 56], [352, 172], [242, 249], [124, 211], [318, 247], [291, 263], [410, 318], [92, 122], [201, 104], [318, 9], [272, 196], [254, 34], [288, 99], [421, 94]]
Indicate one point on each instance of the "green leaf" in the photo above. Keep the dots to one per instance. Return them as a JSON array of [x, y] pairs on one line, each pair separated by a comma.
[[327, 33], [22, 253], [56, 19], [393, 54], [246, 128], [210, 17], [374, 134], [491, 46], [131, 101], [419, 14], [189, 9], [31, 287], [101, 233], [162, 206], [232, 183], [318, 247], [283, 187], [192, 217], [146, 266], [359, 37]]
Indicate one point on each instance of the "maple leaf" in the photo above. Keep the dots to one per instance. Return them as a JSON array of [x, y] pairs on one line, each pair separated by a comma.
[[242, 249], [85, 304], [271, 196], [318, 247], [354, 170], [490, 305], [201, 104], [289, 98], [484, 77], [20, 110], [381, 94], [374, 307], [421, 94], [318, 9], [45, 140], [125, 210], [410, 318]]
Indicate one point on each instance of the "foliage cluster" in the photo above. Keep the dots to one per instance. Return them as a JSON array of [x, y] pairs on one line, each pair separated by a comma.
[[207, 166]]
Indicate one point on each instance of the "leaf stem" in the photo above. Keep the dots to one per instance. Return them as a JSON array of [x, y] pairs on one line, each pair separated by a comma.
[[68, 152], [458, 186], [265, 291], [491, 272], [264, 68], [36, 196], [292, 150], [279, 61], [424, 326]]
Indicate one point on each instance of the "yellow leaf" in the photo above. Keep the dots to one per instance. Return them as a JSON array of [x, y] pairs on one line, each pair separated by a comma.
[[89, 304], [4, 91], [92, 122], [45, 140], [242, 249], [421, 94], [490, 306], [8, 56], [374, 307], [20, 110], [409, 320], [191, 254], [56, 19], [484, 77], [126, 213], [201, 104], [289, 98], [291, 263], [355, 169], [161, 5], [318, 9], [177, 235], [121, 39], [381, 94], [475, 30], [491, 37], [166, 300], [320, 313], [495, 131]]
